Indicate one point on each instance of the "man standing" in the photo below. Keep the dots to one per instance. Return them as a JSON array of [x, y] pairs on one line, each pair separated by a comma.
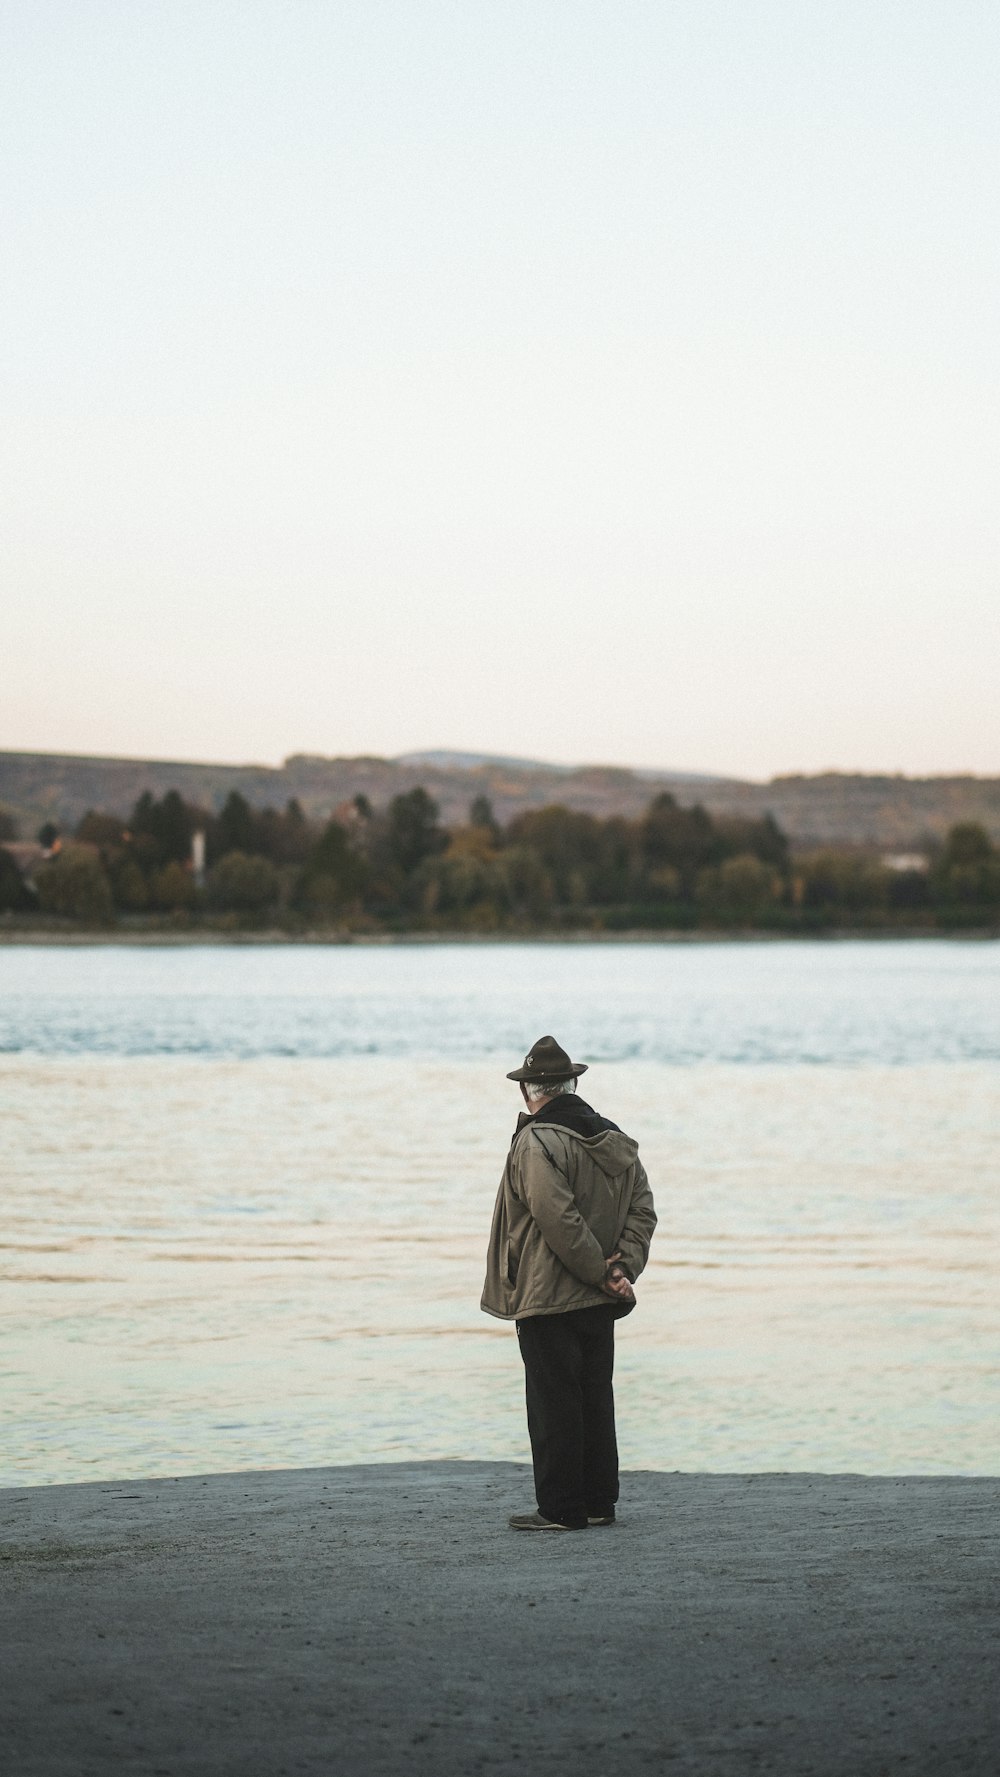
[[571, 1231]]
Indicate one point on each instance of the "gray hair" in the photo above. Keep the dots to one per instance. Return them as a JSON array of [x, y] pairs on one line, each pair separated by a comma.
[[535, 1089]]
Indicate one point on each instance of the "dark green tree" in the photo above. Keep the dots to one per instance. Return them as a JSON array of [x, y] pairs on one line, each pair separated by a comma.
[[843, 888], [413, 832], [15, 896], [235, 828], [284, 837], [909, 891], [297, 836], [965, 881], [681, 839], [100, 829], [481, 815], [163, 828], [568, 844], [333, 877], [761, 839], [968, 843]]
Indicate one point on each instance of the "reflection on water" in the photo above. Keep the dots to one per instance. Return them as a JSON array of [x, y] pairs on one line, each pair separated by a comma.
[[214, 1264]]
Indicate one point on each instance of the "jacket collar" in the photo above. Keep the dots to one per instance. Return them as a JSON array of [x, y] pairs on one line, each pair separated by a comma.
[[570, 1111]]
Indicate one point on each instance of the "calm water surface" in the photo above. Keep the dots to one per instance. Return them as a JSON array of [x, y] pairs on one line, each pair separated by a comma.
[[247, 1193]]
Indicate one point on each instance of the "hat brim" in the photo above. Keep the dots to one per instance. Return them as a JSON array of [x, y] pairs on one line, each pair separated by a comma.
[[565, 1073]]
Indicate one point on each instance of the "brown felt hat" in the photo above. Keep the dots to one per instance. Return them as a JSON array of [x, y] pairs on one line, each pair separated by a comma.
[[546, 1061]]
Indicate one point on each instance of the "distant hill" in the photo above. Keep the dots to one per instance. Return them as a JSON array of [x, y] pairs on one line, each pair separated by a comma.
[[894, 813], [452, 761], [473, 761]]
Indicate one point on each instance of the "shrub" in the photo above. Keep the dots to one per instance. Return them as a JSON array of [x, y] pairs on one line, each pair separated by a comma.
[[843, 885], [740, 891], [243, 883], [128, 885], [172, 888], [75, 884]]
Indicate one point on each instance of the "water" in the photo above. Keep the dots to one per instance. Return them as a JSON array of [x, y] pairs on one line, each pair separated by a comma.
[[893, 1002], [247, 1193]]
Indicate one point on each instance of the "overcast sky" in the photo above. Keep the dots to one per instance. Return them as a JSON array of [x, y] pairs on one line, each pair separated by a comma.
[[589, 379]]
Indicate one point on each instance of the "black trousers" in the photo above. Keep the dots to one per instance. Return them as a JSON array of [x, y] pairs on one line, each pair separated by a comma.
[[569, 1362]]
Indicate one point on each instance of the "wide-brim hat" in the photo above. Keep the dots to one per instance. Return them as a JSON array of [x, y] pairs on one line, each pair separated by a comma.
[[545, 1060]]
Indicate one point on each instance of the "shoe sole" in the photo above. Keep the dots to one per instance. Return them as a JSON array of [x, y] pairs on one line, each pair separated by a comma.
[[538, 1527]]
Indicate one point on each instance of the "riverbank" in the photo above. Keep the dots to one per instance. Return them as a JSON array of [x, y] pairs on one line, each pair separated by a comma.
[[168, 937], [385, 1620]]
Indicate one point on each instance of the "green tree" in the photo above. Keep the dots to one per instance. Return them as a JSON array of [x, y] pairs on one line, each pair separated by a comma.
[[15, 896], [837, 886], [296, 835], [162, 830], [525, 889], [413, 831], [172, 888], [909, 891], [333, 877], [568, 844], [967, 844], [481, 815], [235, 828], [740, 891], [242, 883], [100, 829], [462, 888], [75, 885], [965, 881], [683, 839], [761, 839], [129, 886]]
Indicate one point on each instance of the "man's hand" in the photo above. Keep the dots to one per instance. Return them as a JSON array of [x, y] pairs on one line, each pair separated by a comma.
[[615, 1282]]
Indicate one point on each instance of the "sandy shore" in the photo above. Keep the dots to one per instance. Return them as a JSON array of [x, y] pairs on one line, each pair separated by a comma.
[[384, 1619]]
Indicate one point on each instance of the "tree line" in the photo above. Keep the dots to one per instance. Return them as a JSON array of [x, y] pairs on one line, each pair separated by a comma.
[[552, 868]]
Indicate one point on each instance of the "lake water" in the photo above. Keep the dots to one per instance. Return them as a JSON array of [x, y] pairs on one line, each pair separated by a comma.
[[247, 1192]]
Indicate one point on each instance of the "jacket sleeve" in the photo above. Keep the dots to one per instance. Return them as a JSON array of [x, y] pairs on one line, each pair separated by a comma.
[[633, 1243], [547, 1195]]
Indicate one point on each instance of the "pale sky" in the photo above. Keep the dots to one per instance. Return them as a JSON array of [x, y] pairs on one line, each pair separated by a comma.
[[609, 380]]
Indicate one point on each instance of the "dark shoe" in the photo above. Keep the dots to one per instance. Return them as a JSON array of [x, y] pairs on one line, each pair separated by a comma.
[[535, 1521], [593, 1522]]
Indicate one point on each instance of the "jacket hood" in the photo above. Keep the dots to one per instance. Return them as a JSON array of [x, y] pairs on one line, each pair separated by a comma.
[[609, 1147]]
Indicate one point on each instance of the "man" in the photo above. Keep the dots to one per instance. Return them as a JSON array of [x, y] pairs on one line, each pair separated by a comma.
[[571, 1231]]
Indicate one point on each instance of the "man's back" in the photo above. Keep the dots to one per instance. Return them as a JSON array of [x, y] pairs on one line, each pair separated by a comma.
[[571, 1230], [574, 1192]]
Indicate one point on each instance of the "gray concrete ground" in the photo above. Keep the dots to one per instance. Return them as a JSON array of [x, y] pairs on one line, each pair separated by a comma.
[[384, 1619]]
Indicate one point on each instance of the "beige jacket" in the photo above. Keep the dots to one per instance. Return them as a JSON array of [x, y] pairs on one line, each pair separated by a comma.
[[566, 1202]]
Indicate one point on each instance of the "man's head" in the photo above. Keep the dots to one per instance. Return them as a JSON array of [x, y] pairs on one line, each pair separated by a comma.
[[538, 1092], [546, 1072]]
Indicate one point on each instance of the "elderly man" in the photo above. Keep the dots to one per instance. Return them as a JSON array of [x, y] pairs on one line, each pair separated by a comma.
[[571, 1231]]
